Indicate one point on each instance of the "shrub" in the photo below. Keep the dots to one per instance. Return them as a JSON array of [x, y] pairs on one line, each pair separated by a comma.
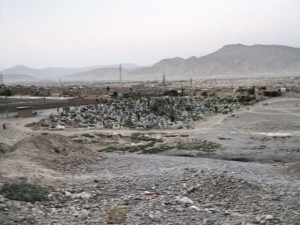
[[271, 93], [115, 94], [6, 92], [251, 91], [204, 94], [116, 214], [246, 98], [171, 93], [23, 191], [4, 148]]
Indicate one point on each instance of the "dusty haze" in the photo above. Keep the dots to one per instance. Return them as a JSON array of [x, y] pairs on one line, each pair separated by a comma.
[[75, 33]]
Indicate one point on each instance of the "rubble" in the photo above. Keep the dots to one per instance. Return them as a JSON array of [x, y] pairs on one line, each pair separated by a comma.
[[90, 186], [184, 200], [240, 203], [144, 113]]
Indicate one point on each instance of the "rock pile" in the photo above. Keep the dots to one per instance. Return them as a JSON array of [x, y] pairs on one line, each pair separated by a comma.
[[145, 113], [52, 152], [195, 197]]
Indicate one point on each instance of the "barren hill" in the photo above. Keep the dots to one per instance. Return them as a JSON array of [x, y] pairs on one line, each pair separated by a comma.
[[103, 74], [43, 73], [56, 72], [239, 59], [17, 78], [49, 154], [230, 61]]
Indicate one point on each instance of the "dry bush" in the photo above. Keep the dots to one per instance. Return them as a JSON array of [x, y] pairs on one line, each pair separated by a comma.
[[21, 190], [116, 214]]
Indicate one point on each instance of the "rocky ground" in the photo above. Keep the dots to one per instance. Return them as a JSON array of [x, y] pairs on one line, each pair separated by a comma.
[[77, 177]]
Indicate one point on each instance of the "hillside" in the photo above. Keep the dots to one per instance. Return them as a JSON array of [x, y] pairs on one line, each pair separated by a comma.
[[242, 59], [230, 61], [233, 60], [18, 79], [56, 72]]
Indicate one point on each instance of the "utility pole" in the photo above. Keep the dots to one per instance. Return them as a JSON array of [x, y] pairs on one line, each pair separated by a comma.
[[2, 85], [164, 80], [1, 80], [120, 74]]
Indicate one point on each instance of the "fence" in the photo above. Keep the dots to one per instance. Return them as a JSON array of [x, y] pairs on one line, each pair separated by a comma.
[[47, 104]]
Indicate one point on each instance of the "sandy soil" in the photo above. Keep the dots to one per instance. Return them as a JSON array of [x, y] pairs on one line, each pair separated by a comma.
[[257, 183]]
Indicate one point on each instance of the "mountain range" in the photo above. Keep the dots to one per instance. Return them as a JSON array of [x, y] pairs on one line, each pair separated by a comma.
[[235, 60], [230, 61]]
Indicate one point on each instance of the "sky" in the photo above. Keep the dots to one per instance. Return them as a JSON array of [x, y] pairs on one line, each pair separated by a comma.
[[77, 33]]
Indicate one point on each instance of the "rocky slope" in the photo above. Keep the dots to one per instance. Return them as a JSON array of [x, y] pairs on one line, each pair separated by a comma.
[[25, 73], [230, 61], [13, 78]]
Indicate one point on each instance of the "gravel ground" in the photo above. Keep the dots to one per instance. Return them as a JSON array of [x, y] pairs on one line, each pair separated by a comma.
[[90, 187]]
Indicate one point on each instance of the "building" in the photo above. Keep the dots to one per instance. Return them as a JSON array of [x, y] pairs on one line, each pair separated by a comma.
[[25, 111]]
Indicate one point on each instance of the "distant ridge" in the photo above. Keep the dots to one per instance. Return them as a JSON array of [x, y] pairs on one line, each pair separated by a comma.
[[56, 72], [43, 73], [101, 74], [234, 60], [18, 79]]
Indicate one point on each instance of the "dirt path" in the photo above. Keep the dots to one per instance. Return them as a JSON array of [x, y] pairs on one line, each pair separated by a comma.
[[15, 127]]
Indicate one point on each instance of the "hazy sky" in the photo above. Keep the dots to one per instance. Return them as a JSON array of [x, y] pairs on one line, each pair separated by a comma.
[[75, 33]]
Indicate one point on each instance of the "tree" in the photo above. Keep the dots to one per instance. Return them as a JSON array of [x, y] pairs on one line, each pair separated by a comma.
[[271, 93], [172, 118], [171, 93], [251, 91], [204, 94], [115, 94], [6, 92]]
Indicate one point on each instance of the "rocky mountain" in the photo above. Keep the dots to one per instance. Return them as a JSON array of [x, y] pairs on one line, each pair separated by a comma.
[[101, 74], [43, 73], [56, 72], [242, 59], [230, 61], [18, 79]]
